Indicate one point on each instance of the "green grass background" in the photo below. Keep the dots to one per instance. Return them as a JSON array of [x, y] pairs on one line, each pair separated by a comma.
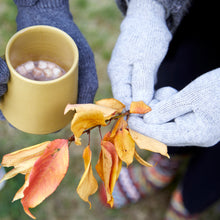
[[99, 21]]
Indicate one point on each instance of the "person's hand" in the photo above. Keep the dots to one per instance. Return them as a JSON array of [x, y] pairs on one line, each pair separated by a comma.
[[4, 76], [56, 13], [190, 117], [140, 49]]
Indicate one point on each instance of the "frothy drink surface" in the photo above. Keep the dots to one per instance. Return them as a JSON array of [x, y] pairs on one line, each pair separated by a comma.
[[40, 70]]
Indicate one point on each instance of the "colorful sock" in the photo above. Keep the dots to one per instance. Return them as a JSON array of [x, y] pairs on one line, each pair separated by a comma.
[[135, 183], [177, 210]]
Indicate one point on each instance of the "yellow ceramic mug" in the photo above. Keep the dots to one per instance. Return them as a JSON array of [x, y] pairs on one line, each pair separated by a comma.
[[38, 106]]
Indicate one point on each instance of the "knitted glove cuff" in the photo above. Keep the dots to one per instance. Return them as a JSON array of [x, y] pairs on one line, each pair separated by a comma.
[[174, 10], [4, 72], [41, 3]]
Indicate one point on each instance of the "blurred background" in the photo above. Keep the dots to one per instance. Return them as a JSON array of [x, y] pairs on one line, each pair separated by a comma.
[[99, 21]]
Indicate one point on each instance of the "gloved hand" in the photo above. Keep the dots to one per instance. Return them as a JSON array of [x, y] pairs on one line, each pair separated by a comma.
[[190, 117], [4, 76], [140, 49], [56, 13]]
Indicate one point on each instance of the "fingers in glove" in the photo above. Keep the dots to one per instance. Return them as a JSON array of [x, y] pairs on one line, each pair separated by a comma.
[[187, 130], [142, 83], [168, 109], [120, 76], [164, 93]]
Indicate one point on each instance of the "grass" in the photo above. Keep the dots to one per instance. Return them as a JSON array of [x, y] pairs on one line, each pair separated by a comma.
[[99, 21]]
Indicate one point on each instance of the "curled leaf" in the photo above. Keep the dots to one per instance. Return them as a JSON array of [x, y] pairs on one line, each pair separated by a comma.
[[87, 108], [111, 103], [139, 108], [148, 143], [141, 160], [88, 184], [46, 175], [85, 120]]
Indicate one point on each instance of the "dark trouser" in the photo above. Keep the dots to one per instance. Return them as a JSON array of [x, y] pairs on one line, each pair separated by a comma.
[[191, 54]]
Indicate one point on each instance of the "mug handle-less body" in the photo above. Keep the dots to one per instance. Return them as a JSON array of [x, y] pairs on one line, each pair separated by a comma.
[[37, 107]]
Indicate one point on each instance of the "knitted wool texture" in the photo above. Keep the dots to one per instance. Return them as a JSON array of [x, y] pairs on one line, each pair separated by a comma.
[[56, 13], [175, 10]]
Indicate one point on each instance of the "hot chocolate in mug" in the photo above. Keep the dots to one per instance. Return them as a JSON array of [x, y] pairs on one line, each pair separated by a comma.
[[37, 107]]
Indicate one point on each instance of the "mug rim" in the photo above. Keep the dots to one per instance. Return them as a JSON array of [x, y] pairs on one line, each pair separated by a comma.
[[45, 27]]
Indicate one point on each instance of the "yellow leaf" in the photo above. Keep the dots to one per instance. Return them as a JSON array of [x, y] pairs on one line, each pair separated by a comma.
[[106, 111], [20, 193], [84, 120], [25, 154], [111, 103], [141, 161], [139, 108], [124, 145], [88, 184], [148, 143], [121, 124]]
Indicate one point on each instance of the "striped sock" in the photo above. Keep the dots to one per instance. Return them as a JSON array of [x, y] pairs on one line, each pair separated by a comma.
[[177, 210], [137, 182]]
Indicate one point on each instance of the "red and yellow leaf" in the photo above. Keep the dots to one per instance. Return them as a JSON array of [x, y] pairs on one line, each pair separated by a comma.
[[46, 175], [108, 168], [88, 184], [139, 108]]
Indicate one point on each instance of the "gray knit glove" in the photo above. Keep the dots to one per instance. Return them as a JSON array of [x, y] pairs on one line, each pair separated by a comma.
[[56, 13], [190, 117], [139, 51], [4, 76]]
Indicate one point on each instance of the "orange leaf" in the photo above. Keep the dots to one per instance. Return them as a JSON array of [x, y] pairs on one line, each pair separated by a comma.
[[106, 111], [85, 120], [108, 168], [139, 108], [111, 103], [46, 175], [148, 143], [88, 184], [124, 145]]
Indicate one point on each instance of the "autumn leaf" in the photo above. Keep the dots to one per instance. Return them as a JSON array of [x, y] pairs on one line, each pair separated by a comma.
[[139, 108], [88, 184], [124, 145], [106, 111], [46, 175], [148, 143], [85, 120], [108, 168], [120, 124], [111, 103], [141, 160]]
